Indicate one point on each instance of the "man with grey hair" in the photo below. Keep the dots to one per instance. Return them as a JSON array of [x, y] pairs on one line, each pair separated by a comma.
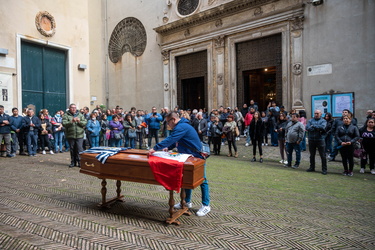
[[31, 125], [200, 125], [74, 123], [316, 134]]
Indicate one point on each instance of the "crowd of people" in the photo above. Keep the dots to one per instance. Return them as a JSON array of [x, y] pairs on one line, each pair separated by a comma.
[[75, 130]]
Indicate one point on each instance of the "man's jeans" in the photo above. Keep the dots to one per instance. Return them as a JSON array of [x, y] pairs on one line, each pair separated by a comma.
[[205, 191], [320, 145], [7, 141], [14, 147], [335, 150], [297, 148], [153, 133], [58, 140], [32, 142], [76, 147]]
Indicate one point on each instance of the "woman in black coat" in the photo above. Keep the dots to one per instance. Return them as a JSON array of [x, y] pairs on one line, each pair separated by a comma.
[[346, 135], [216, 132], [256, 133]]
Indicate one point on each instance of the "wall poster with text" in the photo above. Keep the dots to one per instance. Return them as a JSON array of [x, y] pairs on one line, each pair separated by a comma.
[[342, 101], [321, 102]]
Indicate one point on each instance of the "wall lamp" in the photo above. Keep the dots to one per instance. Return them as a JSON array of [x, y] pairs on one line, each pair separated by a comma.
[[82, 66], [3, 52]]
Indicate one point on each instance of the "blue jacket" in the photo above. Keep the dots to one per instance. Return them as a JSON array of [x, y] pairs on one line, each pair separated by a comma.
[[6, 128], [184, 135], [26, 124], [94, 127], [153, 122], [16, 122], [316, 129]]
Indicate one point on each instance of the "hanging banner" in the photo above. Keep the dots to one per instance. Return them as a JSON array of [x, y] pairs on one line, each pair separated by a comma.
[[6, 92]]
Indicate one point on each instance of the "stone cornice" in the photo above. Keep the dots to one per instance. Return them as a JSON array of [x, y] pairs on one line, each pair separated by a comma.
[[212, 14]]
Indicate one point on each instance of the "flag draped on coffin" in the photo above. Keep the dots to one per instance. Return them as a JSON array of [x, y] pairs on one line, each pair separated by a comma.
[[168, 169]]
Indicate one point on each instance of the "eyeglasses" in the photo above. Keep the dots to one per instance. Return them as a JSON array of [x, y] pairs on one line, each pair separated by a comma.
[[170, 120]]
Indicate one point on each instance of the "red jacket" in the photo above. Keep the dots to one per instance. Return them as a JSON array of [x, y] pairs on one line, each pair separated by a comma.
[[248, 119]]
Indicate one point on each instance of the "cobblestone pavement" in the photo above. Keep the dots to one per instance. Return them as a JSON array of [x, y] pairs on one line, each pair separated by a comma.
[[46, 205]]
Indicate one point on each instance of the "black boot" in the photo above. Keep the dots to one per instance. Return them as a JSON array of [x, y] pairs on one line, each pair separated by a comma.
[[72, 164]]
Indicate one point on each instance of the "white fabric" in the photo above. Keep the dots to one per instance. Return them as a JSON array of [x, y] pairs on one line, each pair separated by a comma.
[[172, 156]]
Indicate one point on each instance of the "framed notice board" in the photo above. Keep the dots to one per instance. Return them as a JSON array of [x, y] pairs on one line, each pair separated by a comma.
[[342, 101], [321, 102]]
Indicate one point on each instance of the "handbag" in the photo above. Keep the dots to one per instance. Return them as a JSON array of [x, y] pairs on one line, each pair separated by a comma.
[[132, 133], [359, 153], [218, 131], [118, 136], [237, 132]]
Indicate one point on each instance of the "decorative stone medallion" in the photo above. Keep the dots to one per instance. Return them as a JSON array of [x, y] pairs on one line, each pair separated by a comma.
[[187, 7], [297, 68], [45, 23]]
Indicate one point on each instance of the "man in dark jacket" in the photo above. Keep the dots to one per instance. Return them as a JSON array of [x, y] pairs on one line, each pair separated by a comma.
[[31, 126], [5, 129], [200, 125], [316, 131], [186, 139], [294, 135], [17, 133]]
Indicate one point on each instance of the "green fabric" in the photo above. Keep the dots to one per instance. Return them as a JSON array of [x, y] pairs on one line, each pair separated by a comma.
[[74, 130]]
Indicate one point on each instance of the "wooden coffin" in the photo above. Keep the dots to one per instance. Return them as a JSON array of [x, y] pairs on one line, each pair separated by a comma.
[[132, 165]]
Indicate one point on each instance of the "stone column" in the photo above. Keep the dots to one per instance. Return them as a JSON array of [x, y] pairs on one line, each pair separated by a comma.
[[166, 80], [218, 74], [296, 61]]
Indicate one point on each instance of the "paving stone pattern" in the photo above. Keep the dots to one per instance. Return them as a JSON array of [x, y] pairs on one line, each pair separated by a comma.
[[46, 205]]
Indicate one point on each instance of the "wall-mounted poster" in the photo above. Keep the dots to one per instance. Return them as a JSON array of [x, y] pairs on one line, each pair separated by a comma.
[[6, 94], [342, 101], [321, 102]]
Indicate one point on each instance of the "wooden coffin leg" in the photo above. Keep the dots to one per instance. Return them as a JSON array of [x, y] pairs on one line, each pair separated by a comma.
[[175, 214], [105, 203]]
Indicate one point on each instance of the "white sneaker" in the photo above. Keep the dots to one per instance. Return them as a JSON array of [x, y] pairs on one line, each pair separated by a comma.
[[204, 210], [266, 144], [188, 205], [281, 161], [51, 152], [247, 144], [222, 144], [362, 171], [262, 144], [372, 171], [286, 162], [44, 152]]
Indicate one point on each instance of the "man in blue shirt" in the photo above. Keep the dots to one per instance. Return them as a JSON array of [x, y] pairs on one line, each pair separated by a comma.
[[185, 138], [153, 120]]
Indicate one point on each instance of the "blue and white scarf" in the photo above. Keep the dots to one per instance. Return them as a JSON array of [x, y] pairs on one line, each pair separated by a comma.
[[104, 152]]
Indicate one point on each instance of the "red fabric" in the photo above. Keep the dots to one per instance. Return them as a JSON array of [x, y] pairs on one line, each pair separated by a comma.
[[167, 172], [248, 119]]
